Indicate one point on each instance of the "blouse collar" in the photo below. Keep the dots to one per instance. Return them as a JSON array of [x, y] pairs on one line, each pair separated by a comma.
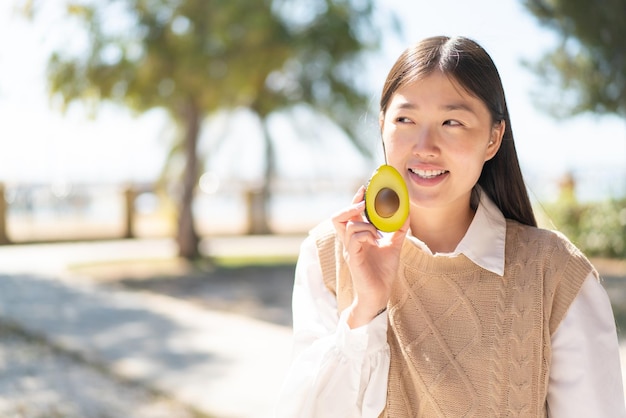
[[484, 240]]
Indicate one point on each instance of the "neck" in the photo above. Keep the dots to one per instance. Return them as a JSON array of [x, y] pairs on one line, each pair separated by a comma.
[[441, 229]]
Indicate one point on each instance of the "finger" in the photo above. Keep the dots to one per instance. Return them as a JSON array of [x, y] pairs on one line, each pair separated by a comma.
[[347, 230], [353, 212], [359, 226], [360, 194], [358, 237], [399, 235]]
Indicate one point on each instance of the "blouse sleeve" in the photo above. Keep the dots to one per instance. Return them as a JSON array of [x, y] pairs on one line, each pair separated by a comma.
[[586, 375], [336, 371]]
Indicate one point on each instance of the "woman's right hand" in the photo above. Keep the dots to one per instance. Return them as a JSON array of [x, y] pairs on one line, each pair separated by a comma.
[[372, 261]]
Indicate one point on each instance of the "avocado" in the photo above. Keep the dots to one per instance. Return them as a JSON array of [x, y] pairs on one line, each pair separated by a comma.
[[386, 199]]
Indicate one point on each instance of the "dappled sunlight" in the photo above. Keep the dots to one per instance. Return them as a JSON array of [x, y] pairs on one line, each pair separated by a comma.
[[195, 354], [161, 167]]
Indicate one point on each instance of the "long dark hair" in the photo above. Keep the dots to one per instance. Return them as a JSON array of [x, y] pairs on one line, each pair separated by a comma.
[[470, 65]]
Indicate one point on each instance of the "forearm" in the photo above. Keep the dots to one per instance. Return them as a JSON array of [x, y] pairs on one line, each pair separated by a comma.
[[341, 374]]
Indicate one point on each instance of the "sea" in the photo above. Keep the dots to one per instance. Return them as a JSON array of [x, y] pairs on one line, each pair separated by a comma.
[[43, 210]]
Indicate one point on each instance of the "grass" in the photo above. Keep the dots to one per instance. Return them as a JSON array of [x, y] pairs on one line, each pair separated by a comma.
[[174, 266], [245, 261]]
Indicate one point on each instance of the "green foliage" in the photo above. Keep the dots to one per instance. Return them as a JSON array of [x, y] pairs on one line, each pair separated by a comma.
[[598, 228], [587, 70], [195, 57], [162, 53], [327, 41], [219, 54]]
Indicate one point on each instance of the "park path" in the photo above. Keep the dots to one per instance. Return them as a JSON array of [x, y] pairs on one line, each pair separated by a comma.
[[145, 352], [219, 363]]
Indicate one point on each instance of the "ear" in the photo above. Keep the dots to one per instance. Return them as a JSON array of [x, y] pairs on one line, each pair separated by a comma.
[[381, 120], [497, 133]]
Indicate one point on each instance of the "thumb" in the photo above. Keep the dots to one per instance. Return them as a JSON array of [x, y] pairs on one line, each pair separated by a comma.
[[398, 236]]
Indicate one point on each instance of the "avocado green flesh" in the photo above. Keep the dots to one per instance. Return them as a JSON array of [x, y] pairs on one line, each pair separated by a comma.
[[386, 199]]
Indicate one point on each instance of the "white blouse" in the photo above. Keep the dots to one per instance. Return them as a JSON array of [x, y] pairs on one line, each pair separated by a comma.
[[342, 372]]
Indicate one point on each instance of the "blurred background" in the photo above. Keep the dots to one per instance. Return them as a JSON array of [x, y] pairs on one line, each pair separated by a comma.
[[104, 104], [197, 121]]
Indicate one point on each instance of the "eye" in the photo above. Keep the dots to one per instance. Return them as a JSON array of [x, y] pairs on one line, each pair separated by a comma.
[[452, 122], [403, 119]]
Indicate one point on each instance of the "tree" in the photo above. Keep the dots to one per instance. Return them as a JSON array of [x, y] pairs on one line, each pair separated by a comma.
[[194, 57], [322, 71], [587, 69], [189, 57]]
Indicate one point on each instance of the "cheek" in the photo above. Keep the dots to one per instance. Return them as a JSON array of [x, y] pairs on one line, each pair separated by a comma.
[[473, 165], [396, 139], [396, 150], [468, 158]]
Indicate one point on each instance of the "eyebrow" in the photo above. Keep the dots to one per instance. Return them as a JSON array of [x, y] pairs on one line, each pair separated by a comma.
[[449, 107]]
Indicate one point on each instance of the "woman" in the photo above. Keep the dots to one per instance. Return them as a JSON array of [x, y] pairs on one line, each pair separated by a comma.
[[469, 309]]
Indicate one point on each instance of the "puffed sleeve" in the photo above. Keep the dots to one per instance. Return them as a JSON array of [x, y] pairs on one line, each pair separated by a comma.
[[336, 371], [586, 375]]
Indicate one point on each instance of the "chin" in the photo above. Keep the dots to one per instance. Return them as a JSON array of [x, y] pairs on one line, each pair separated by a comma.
[[424, 200]]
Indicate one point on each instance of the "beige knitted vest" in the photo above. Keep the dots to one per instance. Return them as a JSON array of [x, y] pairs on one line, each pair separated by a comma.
[[466, 342]]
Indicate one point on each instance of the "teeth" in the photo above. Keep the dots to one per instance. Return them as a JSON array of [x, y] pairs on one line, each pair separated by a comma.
[[428, 174]]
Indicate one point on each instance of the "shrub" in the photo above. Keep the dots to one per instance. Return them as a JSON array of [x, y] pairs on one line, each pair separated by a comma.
[[597, 228]]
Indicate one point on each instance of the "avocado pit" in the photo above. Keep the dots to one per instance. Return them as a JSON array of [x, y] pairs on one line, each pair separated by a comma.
[[386, 202]]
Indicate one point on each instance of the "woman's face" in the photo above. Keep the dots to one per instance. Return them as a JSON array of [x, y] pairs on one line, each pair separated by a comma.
[[438, 137]]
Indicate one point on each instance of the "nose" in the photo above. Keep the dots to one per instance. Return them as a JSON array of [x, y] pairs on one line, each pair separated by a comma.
[[426, 143]]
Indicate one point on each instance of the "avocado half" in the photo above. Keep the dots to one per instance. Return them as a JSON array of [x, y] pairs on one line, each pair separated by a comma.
[[386, 199]]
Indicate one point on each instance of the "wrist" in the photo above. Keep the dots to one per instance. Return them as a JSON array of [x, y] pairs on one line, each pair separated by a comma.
[[380, 311], [362, 314]]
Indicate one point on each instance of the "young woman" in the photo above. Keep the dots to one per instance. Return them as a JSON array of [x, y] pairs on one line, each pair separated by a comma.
[[469, 309]]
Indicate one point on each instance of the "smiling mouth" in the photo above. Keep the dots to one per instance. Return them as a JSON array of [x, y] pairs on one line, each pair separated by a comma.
[[427, 174]]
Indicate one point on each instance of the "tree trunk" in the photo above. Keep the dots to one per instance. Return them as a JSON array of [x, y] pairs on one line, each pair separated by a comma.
[[4, 238], [187, 237], [129, 211], [258, 200]]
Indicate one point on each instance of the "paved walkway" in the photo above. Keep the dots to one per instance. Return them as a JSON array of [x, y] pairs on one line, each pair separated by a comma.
[[222, 364]]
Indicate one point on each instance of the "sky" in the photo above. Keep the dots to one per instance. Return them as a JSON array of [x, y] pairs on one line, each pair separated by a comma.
[[39, 144]]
